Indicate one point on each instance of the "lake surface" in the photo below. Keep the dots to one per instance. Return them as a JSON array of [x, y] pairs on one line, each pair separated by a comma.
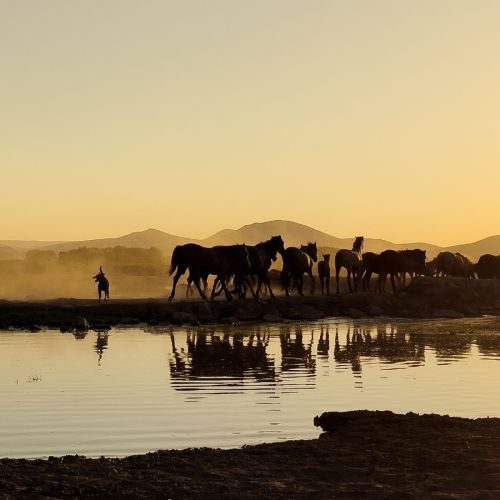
[[130, 391]]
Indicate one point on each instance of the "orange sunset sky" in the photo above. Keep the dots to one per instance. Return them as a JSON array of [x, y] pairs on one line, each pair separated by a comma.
[[366, 117]]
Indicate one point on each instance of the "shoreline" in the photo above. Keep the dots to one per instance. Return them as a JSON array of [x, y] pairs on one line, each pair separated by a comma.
[[424, 298], [375, 454]]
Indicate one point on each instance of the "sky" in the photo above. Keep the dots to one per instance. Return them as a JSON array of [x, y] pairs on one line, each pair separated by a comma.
[[376, 118]]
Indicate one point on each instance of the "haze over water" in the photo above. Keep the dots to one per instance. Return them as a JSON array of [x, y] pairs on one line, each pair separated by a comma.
[[131, 391]]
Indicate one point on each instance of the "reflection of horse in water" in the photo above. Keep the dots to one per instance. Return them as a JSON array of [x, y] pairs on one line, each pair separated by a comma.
[[211, 355], [221, 261], [294, 353], [392, 346], [324, 273], [352, 261], [296, 262], [102, 285]]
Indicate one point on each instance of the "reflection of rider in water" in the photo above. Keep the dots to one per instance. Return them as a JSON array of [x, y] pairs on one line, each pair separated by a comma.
[[101, 344]]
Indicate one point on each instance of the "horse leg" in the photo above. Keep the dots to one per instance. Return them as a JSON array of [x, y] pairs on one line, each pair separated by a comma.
[[197, 283], [300, 284], [327, 279], [321, 278], [337, 272], [349, 280], [178, 274], [313, 283], [99, 292], [393, 283], [366, 281], [266, 282]]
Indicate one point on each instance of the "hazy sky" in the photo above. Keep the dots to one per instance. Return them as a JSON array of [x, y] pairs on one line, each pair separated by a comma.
[[379, 118]]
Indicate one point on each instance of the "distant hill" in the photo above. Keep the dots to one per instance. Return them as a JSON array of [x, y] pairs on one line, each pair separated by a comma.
[[9, 253], [478, 248], [140, 239], [293, 234]]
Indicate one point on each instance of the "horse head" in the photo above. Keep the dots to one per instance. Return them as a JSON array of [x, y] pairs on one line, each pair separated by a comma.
[[326, 257], [357, 246], [99, 276], [311, 250], [277, 245]]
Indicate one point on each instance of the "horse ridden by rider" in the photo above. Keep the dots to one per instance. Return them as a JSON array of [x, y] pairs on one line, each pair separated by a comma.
[[102, 284], [296, 262]]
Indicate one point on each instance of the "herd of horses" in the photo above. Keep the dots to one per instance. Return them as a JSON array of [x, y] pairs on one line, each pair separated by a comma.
[[247, 268]]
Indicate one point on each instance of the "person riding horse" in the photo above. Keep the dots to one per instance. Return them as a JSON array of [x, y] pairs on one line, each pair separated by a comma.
[[102, 284]]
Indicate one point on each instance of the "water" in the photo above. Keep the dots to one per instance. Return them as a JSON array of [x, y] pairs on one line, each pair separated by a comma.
[[131, 391]]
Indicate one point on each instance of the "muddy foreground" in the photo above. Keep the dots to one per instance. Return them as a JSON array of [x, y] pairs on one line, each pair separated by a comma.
[[369, 455]]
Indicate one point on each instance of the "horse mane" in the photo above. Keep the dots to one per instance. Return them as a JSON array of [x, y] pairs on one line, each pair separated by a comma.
[[357, 246]]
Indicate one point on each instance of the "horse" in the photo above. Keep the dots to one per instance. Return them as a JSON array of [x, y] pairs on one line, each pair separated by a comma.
[[454, 264], [465, 267], [351, 260], [488, 266], [324, 273], [371, 264], [296, 262], [222, 261], [102, 285], [262, 256], [394, 262], [430, 268]]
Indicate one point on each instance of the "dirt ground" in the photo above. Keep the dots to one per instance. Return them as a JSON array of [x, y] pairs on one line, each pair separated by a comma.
[[368, 455]]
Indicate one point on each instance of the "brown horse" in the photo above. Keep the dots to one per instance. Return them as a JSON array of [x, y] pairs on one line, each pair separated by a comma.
[[352, 261], [394, 263], [262, 256], [488, 266], [371, 264], [324, 273], [102, 285], [222, 261], [296, 262], [454, 264]]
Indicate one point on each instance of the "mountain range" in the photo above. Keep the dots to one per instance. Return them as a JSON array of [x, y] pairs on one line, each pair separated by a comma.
[[292, 233]]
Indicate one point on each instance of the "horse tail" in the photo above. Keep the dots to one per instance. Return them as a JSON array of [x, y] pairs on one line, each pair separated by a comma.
[[175, 261]]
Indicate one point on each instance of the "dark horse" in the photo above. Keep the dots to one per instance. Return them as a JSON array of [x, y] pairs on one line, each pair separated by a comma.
[[222, 261], [351, 260], [296, 262], [324, 273], [454, 264], [262, 256], [102, 284], [371, 264], [488, 266], [394, 262]]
